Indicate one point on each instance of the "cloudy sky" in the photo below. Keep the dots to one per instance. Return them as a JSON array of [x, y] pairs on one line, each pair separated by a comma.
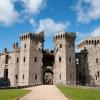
[[52, 16]]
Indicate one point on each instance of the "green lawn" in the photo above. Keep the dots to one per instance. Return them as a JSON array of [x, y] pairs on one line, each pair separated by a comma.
[[79, 93], [12, 94]]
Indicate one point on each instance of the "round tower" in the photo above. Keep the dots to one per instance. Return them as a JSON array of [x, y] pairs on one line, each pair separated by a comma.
[[92, 45]]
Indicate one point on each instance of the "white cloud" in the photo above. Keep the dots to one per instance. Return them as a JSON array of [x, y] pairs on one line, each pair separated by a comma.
[[51, 27], [88, 10], [32, 21], [96, 32], [33, 6], [8, 14]]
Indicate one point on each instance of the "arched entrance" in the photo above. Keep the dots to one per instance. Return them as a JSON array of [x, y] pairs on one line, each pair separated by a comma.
[[48, 76]]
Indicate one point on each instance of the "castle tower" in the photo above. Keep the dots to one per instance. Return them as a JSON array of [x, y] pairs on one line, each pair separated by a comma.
[[92, 45], [64, 67], [30, 68], [14, 63], [9, 65]]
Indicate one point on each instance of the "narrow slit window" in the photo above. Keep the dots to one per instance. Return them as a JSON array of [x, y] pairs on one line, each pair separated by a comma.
[[59, 59], [17, 60], [35, 76], [24, 59], [35, 59]]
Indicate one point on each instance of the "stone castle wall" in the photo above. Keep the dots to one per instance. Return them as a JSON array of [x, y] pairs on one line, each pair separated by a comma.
[[93, 59], [25, 63], [12, 66]]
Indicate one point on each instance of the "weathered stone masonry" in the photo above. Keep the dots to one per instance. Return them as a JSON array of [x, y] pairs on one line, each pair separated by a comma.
[[30, 64]]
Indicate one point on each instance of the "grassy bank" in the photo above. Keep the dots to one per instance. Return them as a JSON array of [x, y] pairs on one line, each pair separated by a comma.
[[74, 93], [12, 94]]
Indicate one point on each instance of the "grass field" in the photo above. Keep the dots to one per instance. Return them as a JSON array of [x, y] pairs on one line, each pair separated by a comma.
[[79, 93], [12, 94]]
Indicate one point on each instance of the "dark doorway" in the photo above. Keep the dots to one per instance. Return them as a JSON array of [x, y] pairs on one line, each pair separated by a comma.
[[6, 74]]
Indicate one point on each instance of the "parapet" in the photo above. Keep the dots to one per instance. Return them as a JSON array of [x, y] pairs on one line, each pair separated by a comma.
[[65, 35], [30, 35], [15, 45], [89, 41]]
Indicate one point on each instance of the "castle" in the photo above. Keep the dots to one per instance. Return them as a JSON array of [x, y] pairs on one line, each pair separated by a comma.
[[30, 64]]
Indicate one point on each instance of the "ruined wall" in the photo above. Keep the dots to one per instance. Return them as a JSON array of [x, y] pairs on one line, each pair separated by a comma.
[[93, 59], [82, 71], [12, 66]]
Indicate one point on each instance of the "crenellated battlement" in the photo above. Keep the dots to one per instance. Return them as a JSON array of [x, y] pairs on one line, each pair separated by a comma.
[[26, 36], [89, 41], [15, 45], [30, 35], [65, 35]]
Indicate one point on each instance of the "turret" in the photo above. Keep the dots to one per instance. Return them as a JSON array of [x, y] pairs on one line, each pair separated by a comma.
[[89, 41], [15, 46]]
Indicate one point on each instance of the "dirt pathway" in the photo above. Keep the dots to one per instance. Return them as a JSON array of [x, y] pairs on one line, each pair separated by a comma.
[[44, 92]]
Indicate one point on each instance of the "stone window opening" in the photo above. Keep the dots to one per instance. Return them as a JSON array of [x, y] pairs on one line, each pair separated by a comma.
[[16, 77], [35, 76], [59, 59], [6, 59], [17, 60], [96, 77], [60, 76], [96, 60], [70, 59], [98, 74], [35, 59], [60, 45], [23, 76], [24, 59], [6, 73]]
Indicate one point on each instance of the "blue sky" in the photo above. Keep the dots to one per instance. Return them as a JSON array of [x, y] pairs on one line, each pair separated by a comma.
[[52, 16]]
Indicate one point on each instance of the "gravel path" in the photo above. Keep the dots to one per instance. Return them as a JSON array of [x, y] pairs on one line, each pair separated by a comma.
[[44, 92]]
